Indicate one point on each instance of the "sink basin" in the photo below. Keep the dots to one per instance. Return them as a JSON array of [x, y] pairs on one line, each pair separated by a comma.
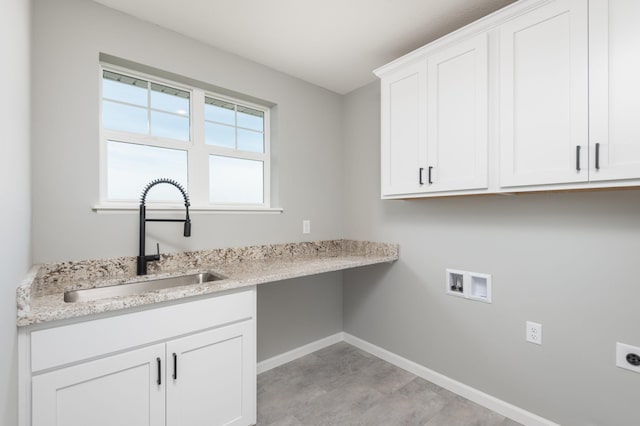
[[138, 287]]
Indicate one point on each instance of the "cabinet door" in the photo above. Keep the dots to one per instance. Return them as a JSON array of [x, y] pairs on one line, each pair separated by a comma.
[[403, 127], [211, 377], [118, 390], [615, 88], [458, 116], [543, 96]]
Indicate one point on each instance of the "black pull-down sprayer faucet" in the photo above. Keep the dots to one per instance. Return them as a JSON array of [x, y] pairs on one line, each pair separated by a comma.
[[142, 257]]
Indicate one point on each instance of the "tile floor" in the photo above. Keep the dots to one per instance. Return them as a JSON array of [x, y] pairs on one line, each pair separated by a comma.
[[342, 385]]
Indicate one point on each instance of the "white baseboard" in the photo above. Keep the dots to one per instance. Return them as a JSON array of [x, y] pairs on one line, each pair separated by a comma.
[[499, 406], [296, 353]]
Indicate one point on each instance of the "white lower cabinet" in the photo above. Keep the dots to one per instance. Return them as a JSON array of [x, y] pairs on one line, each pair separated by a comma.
[[207, 382], [192, 364], [116, 390]]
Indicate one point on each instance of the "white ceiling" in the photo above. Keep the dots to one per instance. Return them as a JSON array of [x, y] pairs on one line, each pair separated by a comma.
[[334, 44]]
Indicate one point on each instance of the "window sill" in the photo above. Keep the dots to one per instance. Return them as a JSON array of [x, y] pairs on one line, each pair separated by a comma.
[[134, 208]]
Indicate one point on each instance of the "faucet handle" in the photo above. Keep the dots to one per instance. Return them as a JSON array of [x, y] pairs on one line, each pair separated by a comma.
[[158, 250]]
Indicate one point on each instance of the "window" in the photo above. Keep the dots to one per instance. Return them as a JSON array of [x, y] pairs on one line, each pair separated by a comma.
[[236, 137], [215, 146]]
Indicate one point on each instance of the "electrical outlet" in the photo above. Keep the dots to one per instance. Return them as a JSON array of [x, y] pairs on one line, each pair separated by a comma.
[[534, 332], [306, 226], [628, 357]]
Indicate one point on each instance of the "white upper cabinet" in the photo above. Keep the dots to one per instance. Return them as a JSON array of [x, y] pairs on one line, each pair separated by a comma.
[[614, 39], [542, 95], [457, 116], [543, 118], [434, 122], [403, 94]]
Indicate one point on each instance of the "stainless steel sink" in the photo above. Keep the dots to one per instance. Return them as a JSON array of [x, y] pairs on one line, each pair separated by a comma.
[[138, 287]]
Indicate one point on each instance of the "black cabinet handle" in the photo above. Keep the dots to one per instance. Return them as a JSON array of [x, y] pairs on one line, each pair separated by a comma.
[[578, 157], [420, 176], [597, 156], [159, 362], [175, 366], [430, 168]]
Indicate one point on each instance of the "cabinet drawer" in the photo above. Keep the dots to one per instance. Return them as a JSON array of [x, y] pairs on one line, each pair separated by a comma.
[[76, 342]]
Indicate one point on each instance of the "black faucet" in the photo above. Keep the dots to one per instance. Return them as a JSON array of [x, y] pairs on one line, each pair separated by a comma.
[[142, 258]]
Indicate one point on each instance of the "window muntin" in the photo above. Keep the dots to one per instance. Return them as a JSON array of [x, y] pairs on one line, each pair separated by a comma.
[[233, 126], [124, 89], [125, 118], [216, 147], [220, 111], [131, 104]]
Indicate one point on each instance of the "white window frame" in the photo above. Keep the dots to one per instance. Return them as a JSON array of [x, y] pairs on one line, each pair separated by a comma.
[[197, 152]]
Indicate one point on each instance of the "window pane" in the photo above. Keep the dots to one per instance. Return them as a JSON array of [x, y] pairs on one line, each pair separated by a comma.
[[169, 126], [131, 167], [220, 135], [249, 140], [127, 118], [169, 99], [235, 181], [220, 111], [125, 89], [250, 118]]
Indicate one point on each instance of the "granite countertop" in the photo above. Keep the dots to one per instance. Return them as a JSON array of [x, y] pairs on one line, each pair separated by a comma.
[[40, 298]]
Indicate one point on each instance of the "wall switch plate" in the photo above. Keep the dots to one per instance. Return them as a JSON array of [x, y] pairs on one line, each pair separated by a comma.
[[628, 357], [534, 332], [306, 226]]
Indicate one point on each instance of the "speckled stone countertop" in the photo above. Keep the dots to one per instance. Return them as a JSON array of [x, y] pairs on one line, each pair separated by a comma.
[[40, 298]]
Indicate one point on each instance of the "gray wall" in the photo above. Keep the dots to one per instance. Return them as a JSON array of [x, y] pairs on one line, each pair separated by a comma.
[[15, 222], [293, 313], [565, 260], [568, 261], [68, 37]]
